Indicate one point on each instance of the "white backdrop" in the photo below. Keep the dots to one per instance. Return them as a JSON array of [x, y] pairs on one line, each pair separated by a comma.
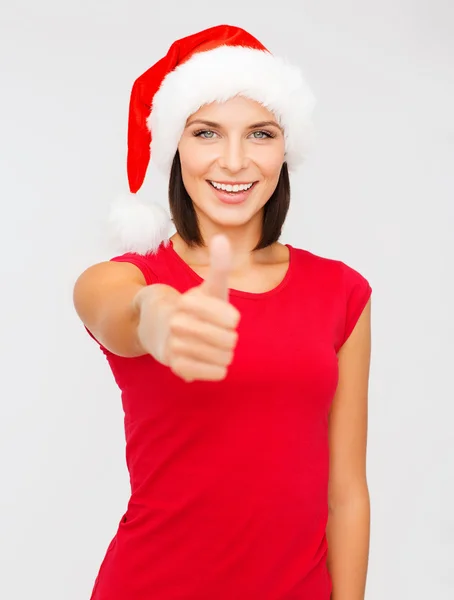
[[377, 194]]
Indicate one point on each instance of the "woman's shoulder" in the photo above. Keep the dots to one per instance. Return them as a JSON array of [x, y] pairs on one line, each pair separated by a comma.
[[149, 263], [325, 266], [337, 284], [314, 259]]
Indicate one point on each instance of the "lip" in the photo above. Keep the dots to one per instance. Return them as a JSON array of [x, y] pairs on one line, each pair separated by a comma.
[[231, 182], [232, 197]]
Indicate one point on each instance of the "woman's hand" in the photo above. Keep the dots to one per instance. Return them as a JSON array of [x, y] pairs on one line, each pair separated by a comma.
[[196, 334]]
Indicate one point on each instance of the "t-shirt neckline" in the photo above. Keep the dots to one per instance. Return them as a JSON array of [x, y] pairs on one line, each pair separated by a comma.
[[232, 291]]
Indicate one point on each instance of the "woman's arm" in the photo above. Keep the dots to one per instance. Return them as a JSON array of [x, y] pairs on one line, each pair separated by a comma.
[[115, 304], [348, 526]]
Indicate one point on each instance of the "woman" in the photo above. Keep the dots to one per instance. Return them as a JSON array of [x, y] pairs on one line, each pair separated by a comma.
[[243, 362]]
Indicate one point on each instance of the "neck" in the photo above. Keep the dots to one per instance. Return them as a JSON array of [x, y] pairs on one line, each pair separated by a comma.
[[242, 256]]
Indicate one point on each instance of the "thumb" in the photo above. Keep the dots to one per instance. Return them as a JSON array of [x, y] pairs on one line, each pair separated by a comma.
[[216, 283]]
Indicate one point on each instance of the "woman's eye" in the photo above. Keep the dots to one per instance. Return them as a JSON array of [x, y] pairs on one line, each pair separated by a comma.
[[207, 134], [261, 135]]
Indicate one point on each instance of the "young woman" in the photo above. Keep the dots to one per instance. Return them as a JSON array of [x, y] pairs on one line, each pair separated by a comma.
[[243, 362]]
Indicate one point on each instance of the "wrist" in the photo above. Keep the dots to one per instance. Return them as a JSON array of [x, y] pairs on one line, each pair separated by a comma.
[[151, 294]]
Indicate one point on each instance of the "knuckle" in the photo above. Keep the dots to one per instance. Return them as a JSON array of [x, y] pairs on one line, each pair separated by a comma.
[[234, 316], [221, 372], [179, 323], [175, 322], [190, 298], [174, 363], [189, 372], [232, 339], [179, 366], [174, 345], [229, 357]]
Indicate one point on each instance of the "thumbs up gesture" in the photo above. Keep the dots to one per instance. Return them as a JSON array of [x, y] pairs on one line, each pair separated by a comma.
[[201, 332]]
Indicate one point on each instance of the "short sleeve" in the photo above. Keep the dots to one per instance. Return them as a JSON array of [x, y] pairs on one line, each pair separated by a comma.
[[357, 291], [141, 261]]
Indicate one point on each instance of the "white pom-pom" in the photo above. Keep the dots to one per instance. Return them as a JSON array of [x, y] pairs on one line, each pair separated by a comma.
[[136, 226]]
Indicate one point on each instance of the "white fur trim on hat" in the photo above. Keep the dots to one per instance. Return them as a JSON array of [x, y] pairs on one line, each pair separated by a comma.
[[221, 74], [136, 226]]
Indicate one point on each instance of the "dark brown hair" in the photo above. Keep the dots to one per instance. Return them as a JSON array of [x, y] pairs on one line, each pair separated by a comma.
[[184, 216]]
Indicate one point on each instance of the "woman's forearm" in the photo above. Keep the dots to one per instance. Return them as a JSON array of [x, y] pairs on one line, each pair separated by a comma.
[[154, 304], [348, 534]]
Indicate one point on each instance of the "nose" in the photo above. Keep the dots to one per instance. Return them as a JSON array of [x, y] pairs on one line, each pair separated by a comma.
[[233, 156]]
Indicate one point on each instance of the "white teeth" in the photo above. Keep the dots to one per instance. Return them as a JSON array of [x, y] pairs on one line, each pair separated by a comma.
[[231, 188]]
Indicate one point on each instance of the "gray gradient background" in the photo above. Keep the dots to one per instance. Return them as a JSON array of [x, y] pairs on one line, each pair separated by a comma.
[[377, 193]]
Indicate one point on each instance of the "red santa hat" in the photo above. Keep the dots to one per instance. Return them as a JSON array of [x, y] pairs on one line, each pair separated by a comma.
[[213, 65]]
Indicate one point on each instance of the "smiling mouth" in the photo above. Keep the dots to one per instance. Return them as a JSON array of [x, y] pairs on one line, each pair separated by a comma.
[[232, 188]]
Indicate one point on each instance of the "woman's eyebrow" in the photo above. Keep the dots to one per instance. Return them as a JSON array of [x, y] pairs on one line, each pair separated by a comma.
[[266, 124], [218, 126]]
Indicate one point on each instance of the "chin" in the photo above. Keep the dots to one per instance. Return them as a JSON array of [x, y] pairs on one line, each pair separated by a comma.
[[238, 217], [233, 221]]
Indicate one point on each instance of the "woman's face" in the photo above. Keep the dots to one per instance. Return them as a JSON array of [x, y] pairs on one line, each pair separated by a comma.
[[236, 143]]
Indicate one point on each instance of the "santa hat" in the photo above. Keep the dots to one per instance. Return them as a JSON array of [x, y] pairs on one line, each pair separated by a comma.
[[213, 65]]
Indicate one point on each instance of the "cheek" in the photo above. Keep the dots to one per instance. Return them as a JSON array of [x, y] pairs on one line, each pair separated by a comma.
[[270, 161], [193, 163], [271, 168]]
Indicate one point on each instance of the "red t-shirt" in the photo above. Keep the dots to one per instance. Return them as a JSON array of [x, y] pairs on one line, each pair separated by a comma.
[[229, 478]]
